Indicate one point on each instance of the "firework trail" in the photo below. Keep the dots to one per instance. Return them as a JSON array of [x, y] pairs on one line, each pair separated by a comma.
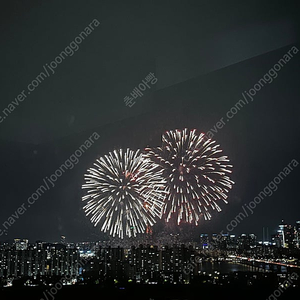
[[196, 173], [124, 193]]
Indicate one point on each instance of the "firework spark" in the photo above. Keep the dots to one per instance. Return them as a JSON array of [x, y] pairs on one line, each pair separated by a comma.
[[196, 173], [124, 193]]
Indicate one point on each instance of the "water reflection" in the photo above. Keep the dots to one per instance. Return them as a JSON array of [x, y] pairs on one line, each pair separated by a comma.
[[224, 267], [227, 267]]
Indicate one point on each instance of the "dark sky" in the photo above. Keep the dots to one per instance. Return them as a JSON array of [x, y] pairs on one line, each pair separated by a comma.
[[204, 54]]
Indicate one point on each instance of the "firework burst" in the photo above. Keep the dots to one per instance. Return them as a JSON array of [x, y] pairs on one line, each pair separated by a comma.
[[196, 173], [124, 193]]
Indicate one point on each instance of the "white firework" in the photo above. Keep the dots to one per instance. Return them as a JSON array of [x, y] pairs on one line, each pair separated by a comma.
[[124, 193], [196, 173]]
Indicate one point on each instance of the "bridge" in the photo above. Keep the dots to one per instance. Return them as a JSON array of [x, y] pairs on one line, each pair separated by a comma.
[[263, 263]]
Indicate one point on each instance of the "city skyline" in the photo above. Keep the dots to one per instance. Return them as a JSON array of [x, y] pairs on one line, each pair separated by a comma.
[[246, 99], [266, 236], [85, 263]]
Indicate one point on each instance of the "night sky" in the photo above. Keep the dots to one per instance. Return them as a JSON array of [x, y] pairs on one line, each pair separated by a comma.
[[205, 54]]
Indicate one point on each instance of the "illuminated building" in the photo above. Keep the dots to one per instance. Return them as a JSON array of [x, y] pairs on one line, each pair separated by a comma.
[[63, 240], [297, 235], [21, 244], [286, 235], [232, 243], [143, 264], [246, 242], [34, 261], [204, 240]]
